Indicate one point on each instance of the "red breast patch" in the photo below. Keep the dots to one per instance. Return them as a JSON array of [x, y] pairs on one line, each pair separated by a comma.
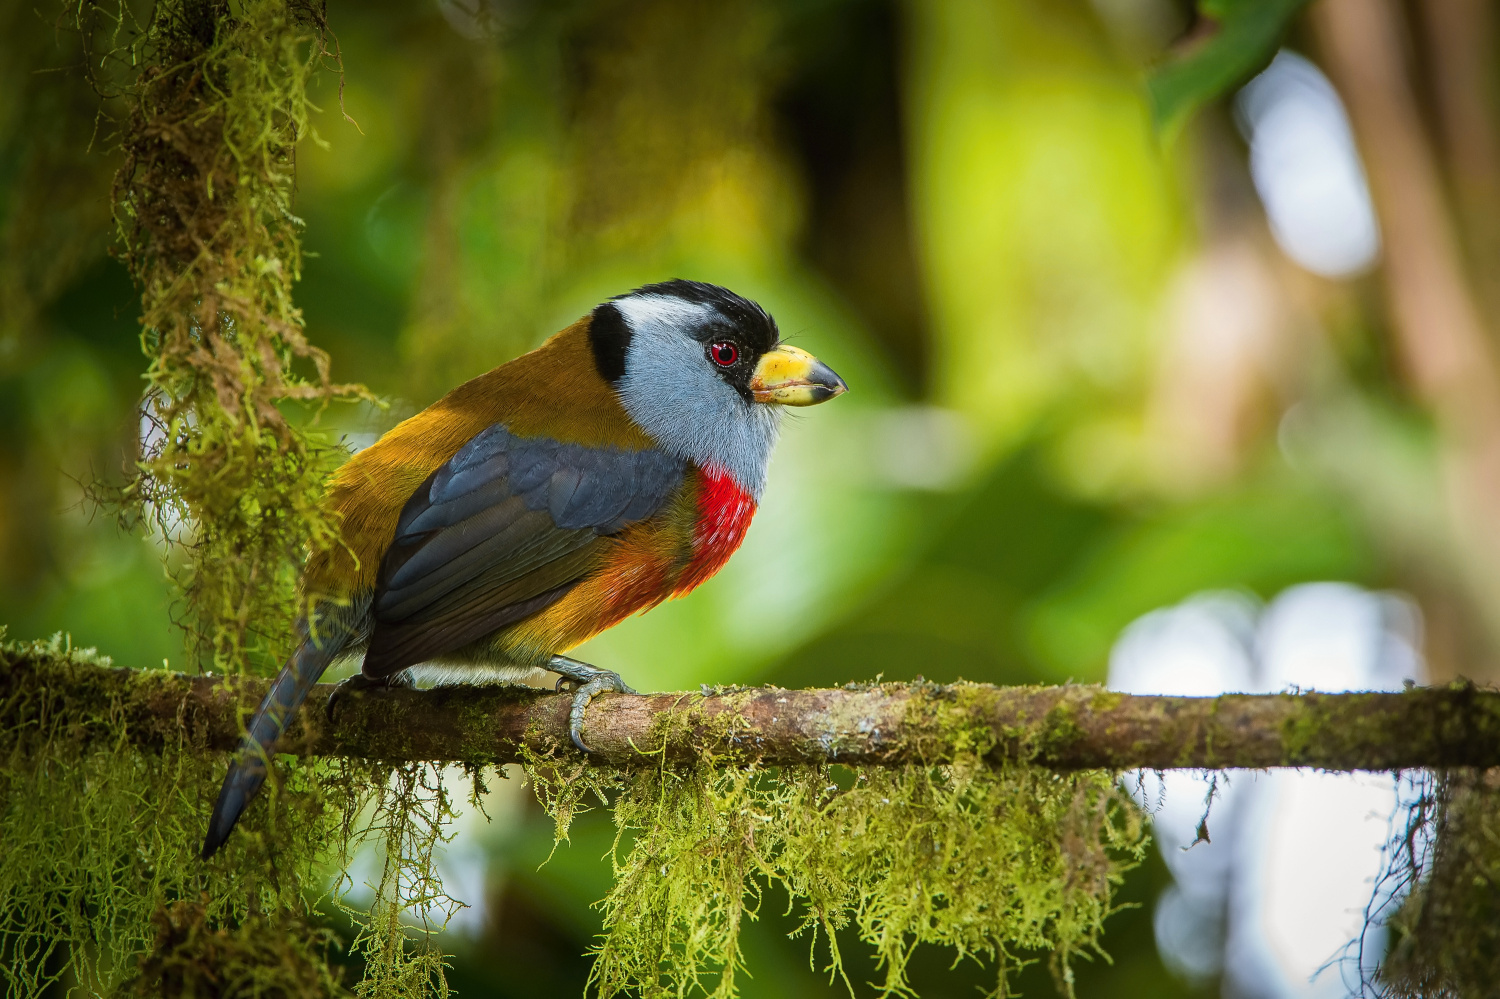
[[724, 514]]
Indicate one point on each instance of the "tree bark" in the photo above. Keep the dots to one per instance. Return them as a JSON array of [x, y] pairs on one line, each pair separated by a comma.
[[1065, 728]]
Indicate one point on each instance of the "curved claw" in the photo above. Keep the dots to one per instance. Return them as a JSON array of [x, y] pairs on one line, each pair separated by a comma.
[[361, 682], [581, 699], [592, 682], [336, 694]]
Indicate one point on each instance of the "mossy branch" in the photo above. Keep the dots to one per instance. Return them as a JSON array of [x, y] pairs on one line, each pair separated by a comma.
[[1066, 728]]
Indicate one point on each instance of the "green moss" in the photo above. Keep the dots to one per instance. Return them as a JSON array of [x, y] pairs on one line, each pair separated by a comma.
[[102, 836], [983, 853], [1059, 729], [215, 98], [1353, 729], [1103, 701], [993, 862], [261, 958], [102, 832], [1307, 729], [954, 715]]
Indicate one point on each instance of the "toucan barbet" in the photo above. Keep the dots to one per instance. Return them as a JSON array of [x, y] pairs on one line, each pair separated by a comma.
[[533, 507]]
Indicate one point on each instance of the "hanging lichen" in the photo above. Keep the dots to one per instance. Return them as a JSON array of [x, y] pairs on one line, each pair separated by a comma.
[[1446, 865], [988, 862], [217, 104], [100, 881], [102, 836], [102, 885], [408, 819], [992, 862]]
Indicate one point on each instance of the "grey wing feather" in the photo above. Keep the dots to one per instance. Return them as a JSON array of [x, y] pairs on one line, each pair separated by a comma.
[[653, 483], [562, 486], [504, 528], [532, 464], [601, 497]]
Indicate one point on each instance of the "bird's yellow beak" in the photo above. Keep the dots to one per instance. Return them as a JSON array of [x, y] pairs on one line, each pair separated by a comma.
[[788, 376]]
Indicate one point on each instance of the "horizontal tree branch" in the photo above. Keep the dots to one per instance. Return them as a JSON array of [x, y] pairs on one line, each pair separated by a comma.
[[1065, 727]]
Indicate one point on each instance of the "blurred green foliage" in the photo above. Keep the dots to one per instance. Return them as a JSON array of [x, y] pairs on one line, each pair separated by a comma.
[[966, 208], [1235, 40]]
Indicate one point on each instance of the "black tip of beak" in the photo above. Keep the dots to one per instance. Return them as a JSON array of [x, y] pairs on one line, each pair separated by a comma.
[[826, 384], [822, 393]]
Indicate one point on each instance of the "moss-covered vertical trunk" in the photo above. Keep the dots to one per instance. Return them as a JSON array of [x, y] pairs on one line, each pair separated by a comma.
[[217, 106]]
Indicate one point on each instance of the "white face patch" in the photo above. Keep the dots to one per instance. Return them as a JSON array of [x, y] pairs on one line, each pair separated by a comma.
[[672, 390]]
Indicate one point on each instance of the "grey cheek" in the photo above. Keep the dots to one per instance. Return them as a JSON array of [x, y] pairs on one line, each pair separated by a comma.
[[696, 415]]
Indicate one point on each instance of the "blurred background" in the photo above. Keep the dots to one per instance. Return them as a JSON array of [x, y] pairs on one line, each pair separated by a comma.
[[1187, 409]]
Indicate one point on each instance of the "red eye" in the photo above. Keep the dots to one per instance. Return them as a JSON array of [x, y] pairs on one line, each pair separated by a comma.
[[724, 353]]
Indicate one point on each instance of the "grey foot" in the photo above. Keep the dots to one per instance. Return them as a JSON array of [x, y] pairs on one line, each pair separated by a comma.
[[361, 682], [591, 681]]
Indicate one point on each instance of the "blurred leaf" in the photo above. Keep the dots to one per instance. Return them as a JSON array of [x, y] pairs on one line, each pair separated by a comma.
[[1048, 222], [1233, 40]]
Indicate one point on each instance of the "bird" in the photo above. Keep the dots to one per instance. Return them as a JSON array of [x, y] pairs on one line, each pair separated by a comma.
[[538, 504]]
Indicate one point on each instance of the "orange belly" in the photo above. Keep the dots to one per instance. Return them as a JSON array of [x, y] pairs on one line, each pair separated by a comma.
[[669, 555]]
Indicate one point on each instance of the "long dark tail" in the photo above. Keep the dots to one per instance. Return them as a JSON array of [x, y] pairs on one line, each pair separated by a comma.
[[275, 713]]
